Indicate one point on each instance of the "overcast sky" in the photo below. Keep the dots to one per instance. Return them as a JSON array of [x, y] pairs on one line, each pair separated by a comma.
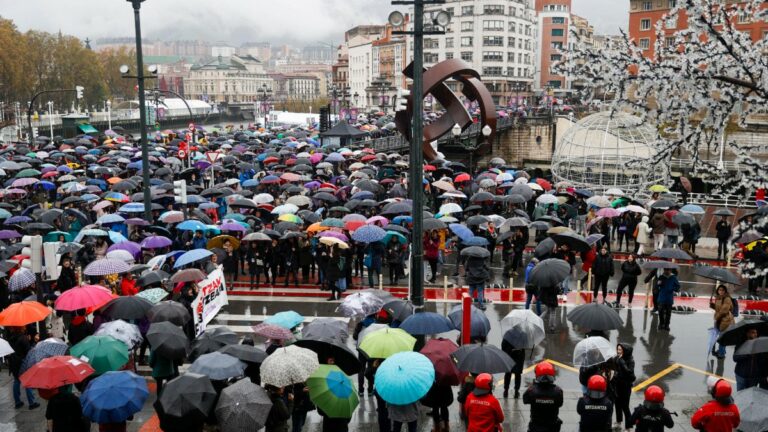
[[301, 22]]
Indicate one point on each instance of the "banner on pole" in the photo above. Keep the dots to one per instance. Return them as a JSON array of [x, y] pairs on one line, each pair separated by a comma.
[[211, 297]]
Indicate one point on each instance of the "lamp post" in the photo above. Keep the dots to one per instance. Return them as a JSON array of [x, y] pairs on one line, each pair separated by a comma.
[[109, 114], [264, 93], [50, 117], [356, 97]]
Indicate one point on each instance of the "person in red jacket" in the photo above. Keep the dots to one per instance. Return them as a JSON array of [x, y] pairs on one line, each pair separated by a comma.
[[720, 414], [128, 285], [432, 252], [482, 408]]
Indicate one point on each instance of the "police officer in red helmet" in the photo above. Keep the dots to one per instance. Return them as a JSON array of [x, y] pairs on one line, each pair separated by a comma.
[[595, 408], [651, 416], [545, 399], [719, 414], [483, 410]]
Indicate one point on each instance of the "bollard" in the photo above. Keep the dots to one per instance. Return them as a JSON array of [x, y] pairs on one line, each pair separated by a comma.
[[445, 287], [466, 319], [381, 281], [648, 295]]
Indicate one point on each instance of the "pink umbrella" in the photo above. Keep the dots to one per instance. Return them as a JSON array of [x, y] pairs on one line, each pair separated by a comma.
[[290, 177], [102, 205], [594, 221], [608, 212], [378, 219], [316, 157], [83, 297], [334, 234], [22, 182]]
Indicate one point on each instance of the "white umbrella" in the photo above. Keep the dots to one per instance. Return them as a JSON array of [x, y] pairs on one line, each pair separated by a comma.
[[123, 331], [450, 208], [285, 209], [593, 351], [615, 192], [263, 198], [5, 348], [287, 366], [547, 199]]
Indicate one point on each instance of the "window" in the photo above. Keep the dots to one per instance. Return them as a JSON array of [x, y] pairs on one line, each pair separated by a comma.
[[558, 20], [647, 5], [556, 45], [645, 24], [449, 42], [493, 10], [431, 44], [493, 56], [493, 25], [467, 25], [512, 11], [670, 23], [511, 57], [466, 56], [557, 32], [467, 10], [671, 3], [645, 43], [511, 42], [430, 58], [744, 16], [554, 84], [492, 70], [493, 41], [466, 41], [512, 27], [510, 71], [555, 57], [448, 56], [449, 11], [669, 41]]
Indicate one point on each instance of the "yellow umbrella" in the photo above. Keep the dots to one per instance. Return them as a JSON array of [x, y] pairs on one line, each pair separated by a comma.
[[218, 242], [751, 245], [333, 241], [658, 188], [290, 218]]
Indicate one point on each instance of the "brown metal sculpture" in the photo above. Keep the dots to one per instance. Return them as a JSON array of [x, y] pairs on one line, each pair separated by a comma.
[[434, 84]]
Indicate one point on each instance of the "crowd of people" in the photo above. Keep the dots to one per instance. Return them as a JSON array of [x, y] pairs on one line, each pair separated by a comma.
[[277, 208]]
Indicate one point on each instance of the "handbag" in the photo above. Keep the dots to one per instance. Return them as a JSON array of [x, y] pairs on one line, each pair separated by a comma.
[[368, 261]]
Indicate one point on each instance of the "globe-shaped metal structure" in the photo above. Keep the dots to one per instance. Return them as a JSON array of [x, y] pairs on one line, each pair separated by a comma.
[[607, 150]]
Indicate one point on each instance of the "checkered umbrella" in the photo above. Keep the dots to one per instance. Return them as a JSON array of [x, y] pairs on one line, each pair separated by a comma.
[[21, 279], [287, 366], [47, 348], [243, 406], [106, 266]]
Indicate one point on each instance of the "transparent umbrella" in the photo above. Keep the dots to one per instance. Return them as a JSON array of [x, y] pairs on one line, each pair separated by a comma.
[[523, 328], [593, 351]]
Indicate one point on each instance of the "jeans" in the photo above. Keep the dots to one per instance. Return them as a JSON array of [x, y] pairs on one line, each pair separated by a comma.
[[528, 299], [745, 383], [298, 418], [479, 288], [665, 314], [722, 248], [17, 392], [412, 426], [371, 271], [720, 350]]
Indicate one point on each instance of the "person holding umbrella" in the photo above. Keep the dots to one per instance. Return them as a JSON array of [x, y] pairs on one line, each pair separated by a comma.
[[282, 408], [64, 412], [602, 268], [518, 355], [477, 273], [545, 399], [751, 369], [668, 286], [723, 307]]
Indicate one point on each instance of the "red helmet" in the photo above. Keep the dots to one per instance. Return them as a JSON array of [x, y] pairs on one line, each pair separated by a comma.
[[545, 372], [483, 381], [722, 390], [654, 394], [597, 386]]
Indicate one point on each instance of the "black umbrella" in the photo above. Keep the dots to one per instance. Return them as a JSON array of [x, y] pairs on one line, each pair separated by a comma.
[[723, 212], [69, 248], [433, 224], [476, 220], [551, 219], [671, 253], [342, 356], [595, 316], [652, 265], [78, 215], [737, 333], [212, 340], [476, 251], [127, 308], [326, 328], [187, 397], [717, 273], [573, 240], [663, 204], [152, 278], [549, 273], [246, 353], [398, 228], [399, 309], [752, 347], [243, 406], [168, 340], [482, 358], [480, 197], [544, 248], [169, 310], [397, 208]]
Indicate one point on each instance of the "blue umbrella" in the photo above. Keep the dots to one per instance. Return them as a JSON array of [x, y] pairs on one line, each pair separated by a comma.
[[388, 238], [404, 378], [114, 396], [250, 183], [400, 219], [4, 214], [692, 209], [368, 234], [363, 195], [116, 237], [132, 208], [46, 185], [464, 233], [110, 218], [195, 199], [191, 225], [426, 323], [476, 241], [480, 325], [286, 319], [192, 256]]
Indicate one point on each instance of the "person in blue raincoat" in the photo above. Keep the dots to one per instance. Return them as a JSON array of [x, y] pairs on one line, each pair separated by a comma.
[[668, 285]]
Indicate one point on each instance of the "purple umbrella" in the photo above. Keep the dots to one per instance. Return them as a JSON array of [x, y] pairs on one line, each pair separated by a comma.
[[17, 220], [312, 185], [26, 181], [129, 246], [334, 234], [9, 234], [232, 226], [156, 242], [136, 221], [202, 165]]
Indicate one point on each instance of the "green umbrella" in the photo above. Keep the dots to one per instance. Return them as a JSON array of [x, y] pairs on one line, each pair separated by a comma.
[[155, 295], [386, 342], [103, 353], [620, 202], [235, 217], [332, 391], [29, 172], [53, 236]]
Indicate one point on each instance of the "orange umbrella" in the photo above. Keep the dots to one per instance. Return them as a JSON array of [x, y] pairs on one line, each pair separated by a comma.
[[114, 180], [353, 225], [315, 227], [23, 313]]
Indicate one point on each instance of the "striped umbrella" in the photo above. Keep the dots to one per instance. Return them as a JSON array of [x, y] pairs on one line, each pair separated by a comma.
[[106, 266], [21, 279]]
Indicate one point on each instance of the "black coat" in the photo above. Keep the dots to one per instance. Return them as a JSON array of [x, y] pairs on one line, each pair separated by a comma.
[[630, 270], [625, 371], [545, 401], [603, 265], [518, 355], [277, 420], [647, 419], [595, 414]]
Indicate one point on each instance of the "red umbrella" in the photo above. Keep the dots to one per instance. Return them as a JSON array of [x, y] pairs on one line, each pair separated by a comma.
[[23, 313], [368, 158], [55, 372], [353, 225], [429, 168], [686, 183], [546, 185], [439, 351], [462, 178], [83, 297]]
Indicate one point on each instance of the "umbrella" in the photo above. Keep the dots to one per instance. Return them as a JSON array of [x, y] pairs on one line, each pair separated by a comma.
[[753, 346], [671, 253], [189, 396], [751, 403], [103, 353], [332, 391], [595, 316], [723, 212], [525, 329], [168, 340], [369, 234], [426, 323], [211, 340], [188, 275], [482, 358], [717, 273], [386, 342], [125, 307], [544, 248], [479, 322], [154, 295], [439, 352], [652, 265], [464, 233], [575, 241], [593, 351], [218, 366], [126, 333], [22, 278], [332, 348], [83, 297], [169, 310], [243, 407], [246, 353], [737, 333], [106, 266], [287, 366], [549, 273], [326, 328], [429, 224], [399, 309], [54, 372], [114, 397], [191, 256], [692, 209], [285, 319], [23, 313], [42, 350], [360, 304], [404, 378], [476, 251], [270, 331], [683, 219]]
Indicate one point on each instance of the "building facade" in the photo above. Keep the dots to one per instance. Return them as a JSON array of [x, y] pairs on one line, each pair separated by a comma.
[[231, 80], [299, 87], [360, 72]]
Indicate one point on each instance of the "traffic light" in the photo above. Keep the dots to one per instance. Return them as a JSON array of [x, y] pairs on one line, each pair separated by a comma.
[[324, 123], [79, 90], [401, 101], [180, 191]]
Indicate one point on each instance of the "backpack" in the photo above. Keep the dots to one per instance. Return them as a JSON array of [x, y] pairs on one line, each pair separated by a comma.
[[735, 308]]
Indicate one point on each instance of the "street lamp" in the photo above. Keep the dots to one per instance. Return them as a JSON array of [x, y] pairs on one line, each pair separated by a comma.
[[264, 93], [109, 114], [50, 117], [357, 98]]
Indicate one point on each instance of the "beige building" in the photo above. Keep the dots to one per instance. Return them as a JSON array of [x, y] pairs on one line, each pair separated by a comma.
[[235, 79]]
